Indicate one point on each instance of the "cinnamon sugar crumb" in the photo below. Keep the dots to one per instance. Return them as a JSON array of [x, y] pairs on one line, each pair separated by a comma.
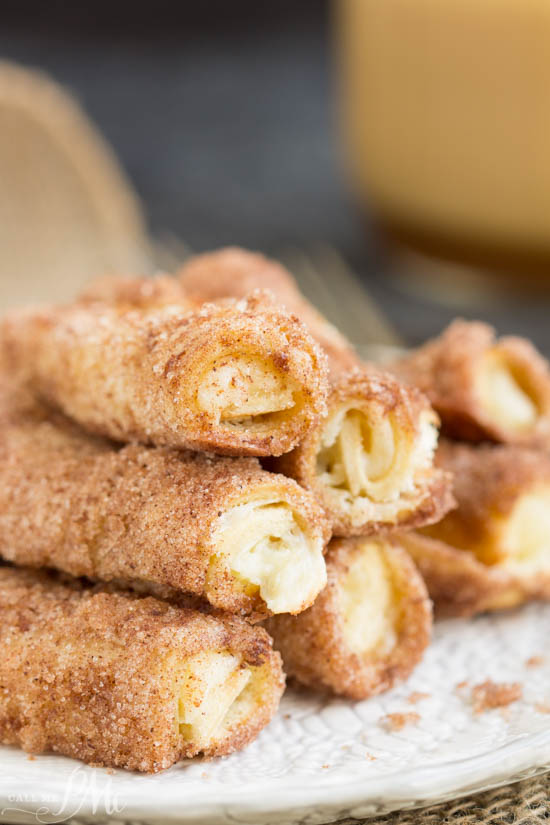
[[417, 696], [489, 695], [462, 685], [534, 661], [542, 707], [397, 721], [31, 758], [370, 758]]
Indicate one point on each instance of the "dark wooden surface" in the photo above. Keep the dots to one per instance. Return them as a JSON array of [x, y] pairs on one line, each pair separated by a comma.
[[223, 116]]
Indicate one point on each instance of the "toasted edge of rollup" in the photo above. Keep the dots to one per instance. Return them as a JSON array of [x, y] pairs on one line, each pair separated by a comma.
[[483, 387], [368, 628], [118, 680], [370, 462], [460, 585], [503, 512], [234, 272], [222, 528]]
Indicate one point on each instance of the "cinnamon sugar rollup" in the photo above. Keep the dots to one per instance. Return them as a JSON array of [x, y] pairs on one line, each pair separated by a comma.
[[497, 542], [367, 629], [234, 272], [239, 378], [483, 387], [461, 585], [370, 462], [123, 681], [220, 528]]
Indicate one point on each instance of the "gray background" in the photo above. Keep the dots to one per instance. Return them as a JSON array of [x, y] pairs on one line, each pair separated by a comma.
[[223, 116]]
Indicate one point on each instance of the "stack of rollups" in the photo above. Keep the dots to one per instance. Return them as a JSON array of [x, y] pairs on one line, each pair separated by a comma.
[[493, 396], [202, 484]]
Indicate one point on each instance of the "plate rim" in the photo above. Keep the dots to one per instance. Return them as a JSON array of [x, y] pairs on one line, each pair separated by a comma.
[[362, 796]]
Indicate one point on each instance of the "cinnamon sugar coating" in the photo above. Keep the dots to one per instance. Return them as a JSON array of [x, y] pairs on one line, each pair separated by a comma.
[[234, 272], [368, 628], [239, 378], [483, 387], [98, 675], [145, 516], [370, 462]]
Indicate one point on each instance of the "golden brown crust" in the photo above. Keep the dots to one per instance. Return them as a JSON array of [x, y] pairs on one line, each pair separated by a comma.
[[380, 397], [234, 272], [488, 481], [90, 674], [445, 368], [143, 515], [313, 645], [137, 375], [460, 585]]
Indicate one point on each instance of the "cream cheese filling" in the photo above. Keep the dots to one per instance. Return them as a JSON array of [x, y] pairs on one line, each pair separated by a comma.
[[367, 463], [267, 547], [525, 535], [237, 389], [504, 400], [208, 687], [368, 602]]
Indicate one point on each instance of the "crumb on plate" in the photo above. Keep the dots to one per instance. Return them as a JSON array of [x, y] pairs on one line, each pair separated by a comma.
[[397, 721], [488, 695], [417, 696], [534, 661]]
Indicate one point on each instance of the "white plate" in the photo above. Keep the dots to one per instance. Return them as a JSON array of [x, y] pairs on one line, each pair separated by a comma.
[[313, 764]]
